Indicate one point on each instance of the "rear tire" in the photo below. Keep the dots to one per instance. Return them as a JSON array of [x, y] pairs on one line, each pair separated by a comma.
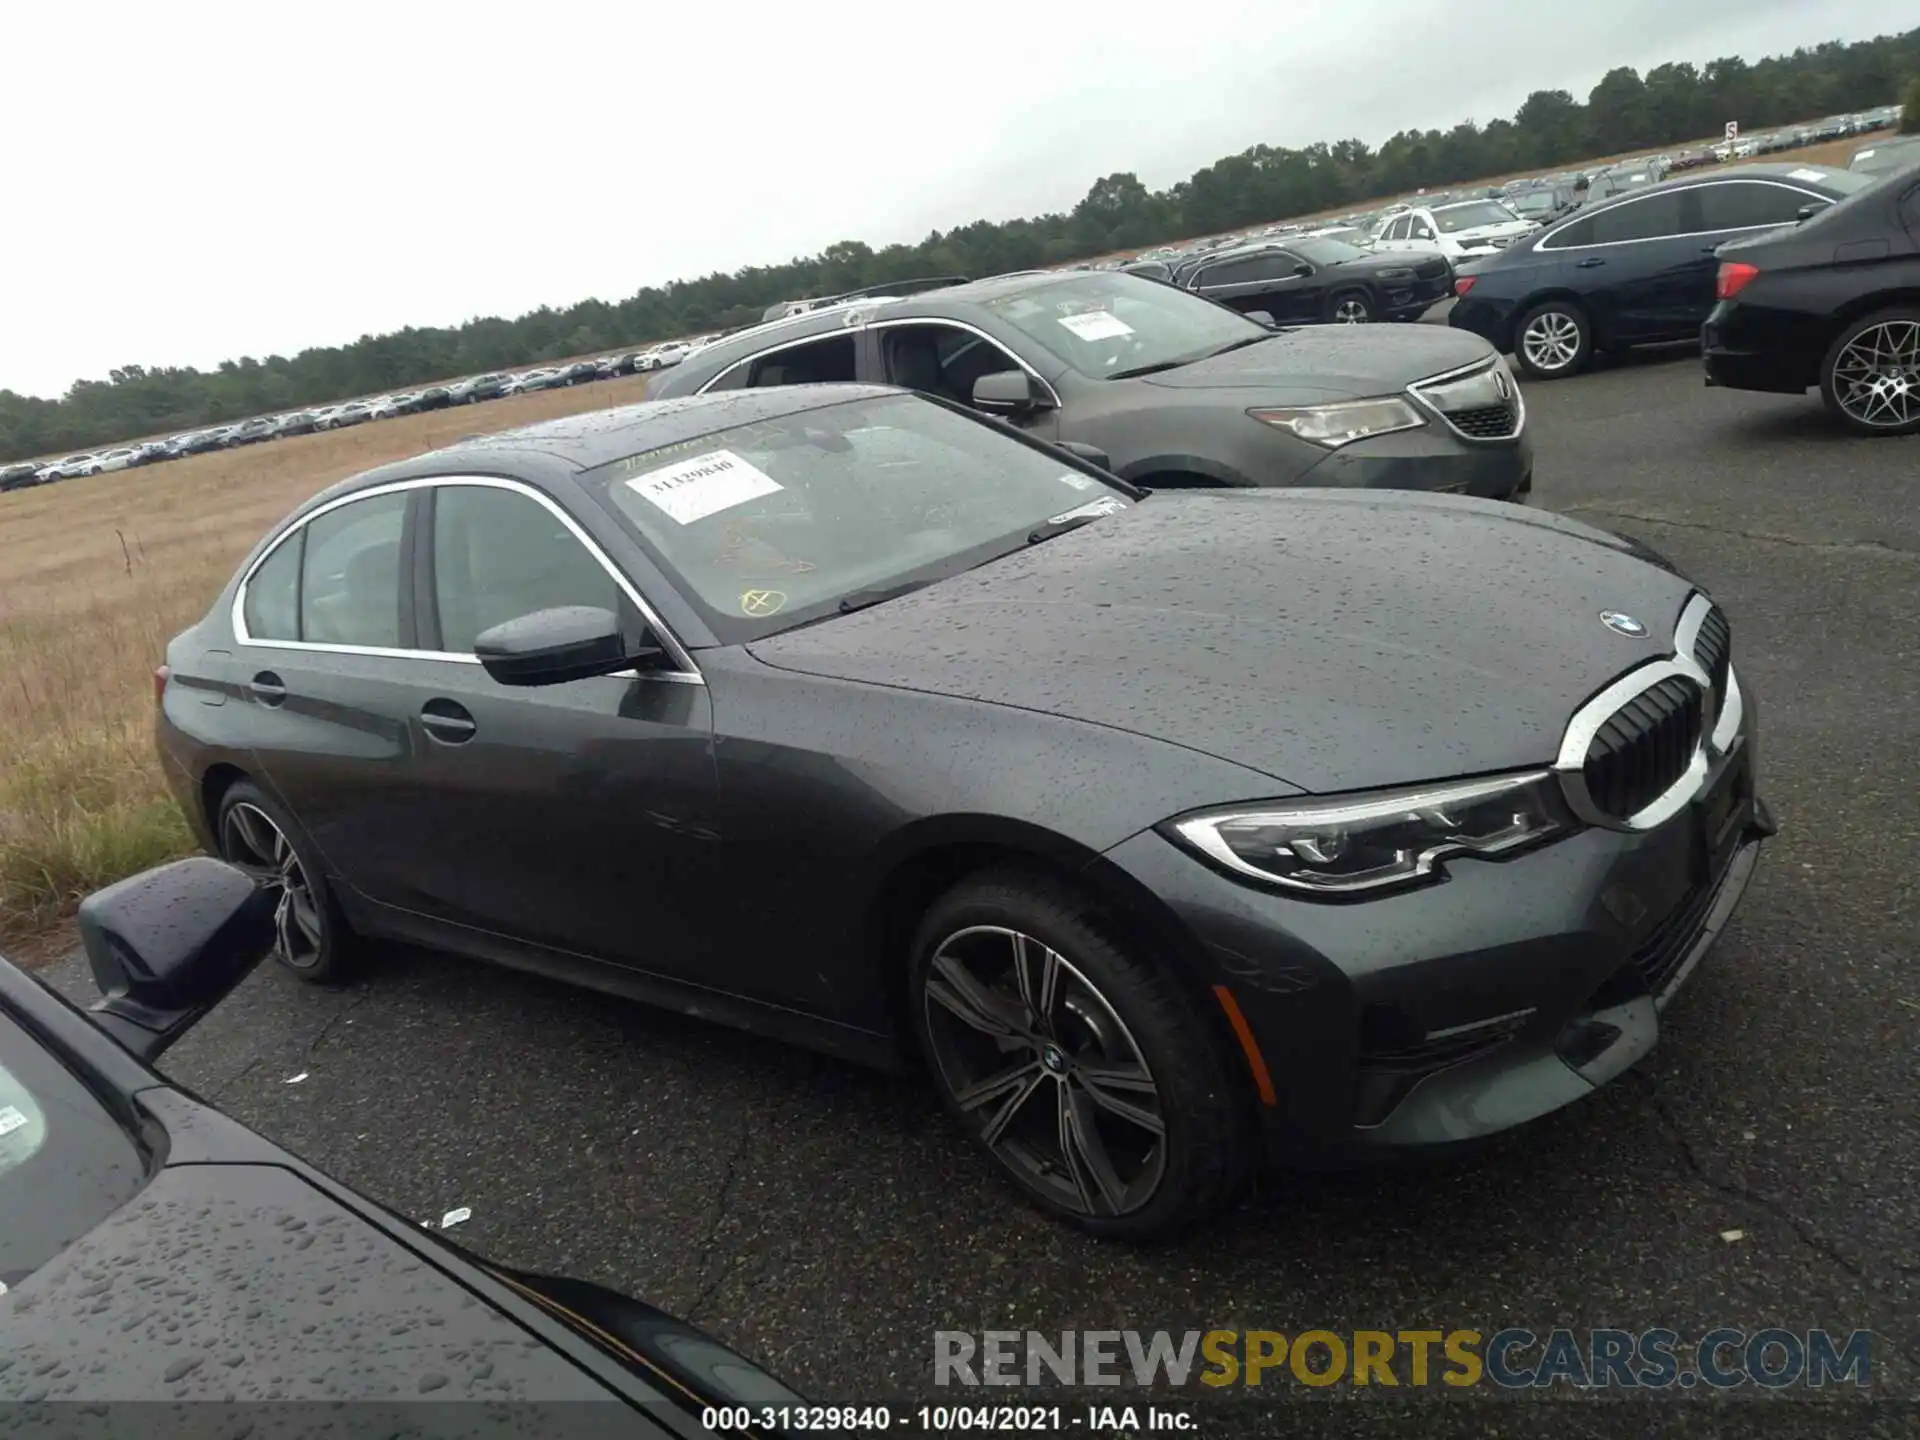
[[1083, 1069], [254, 833], [1870, 375], [1553, 340]]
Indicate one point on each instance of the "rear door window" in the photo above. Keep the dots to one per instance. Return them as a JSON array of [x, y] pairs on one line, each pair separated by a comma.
[[272, 609], [824, 361], [350, 574]]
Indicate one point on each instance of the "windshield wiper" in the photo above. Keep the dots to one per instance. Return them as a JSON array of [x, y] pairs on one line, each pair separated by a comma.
[[876, 594], [1154, 369], [1060, 525]]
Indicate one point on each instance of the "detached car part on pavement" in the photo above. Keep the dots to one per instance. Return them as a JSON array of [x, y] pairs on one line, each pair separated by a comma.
[[281, 1284], [1167, 829]]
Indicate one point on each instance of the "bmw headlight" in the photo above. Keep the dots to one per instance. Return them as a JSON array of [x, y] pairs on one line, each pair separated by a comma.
[[1365, 843], [1344, 422]]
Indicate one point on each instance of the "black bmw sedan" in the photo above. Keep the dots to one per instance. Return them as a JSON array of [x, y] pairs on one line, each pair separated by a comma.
[[1829, 303], [155, 1252], [1163, 828], [1635, 270]]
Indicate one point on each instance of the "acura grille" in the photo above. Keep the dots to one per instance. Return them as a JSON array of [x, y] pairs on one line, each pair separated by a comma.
[[1482, 404]]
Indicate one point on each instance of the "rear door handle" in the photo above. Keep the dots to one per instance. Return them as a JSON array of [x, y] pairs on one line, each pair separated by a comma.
[[447, 721], [268, 688], [1589, 262]]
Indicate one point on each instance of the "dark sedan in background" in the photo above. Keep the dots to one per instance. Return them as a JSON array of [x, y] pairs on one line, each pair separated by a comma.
[[1175, 390], [1833, 302], [1635, 270], [154, 1250], [1310, 280], [804, 709]]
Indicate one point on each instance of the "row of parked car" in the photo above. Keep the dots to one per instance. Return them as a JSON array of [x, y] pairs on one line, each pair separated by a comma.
[[471, 390], [1392, 263], [1470, 224]]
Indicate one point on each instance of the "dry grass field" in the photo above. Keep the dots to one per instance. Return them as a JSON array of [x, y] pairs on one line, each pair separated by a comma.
[[95, 576]]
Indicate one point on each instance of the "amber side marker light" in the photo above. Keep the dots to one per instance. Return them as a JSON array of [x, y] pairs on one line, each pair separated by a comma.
[[1262, 1080]]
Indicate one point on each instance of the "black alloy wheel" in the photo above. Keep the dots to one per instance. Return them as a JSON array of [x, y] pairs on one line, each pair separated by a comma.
[[1084, 1072], [310, 937]]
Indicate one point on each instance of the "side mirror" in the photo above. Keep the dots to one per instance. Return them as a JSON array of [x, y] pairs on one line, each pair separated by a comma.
[[1303, 270], [1008, 392], [1263, 317], [551, 647], [168, 944], [1092, 454], [1807, 212]]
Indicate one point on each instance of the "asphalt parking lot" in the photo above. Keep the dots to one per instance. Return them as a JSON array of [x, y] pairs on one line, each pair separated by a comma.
[[826, 1221]]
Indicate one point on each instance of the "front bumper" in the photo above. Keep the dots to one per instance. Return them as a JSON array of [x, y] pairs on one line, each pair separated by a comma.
[[1436, 1016], [1430, 458]]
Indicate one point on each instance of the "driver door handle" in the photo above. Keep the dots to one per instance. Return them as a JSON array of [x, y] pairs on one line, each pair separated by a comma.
[[1589, 262], [268, 688], [447, 721]]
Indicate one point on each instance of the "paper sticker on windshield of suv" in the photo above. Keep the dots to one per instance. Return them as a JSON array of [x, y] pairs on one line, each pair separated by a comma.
[[1079, 482], [1096, 325], [703, 485], [1805, 175], [10, 1119]]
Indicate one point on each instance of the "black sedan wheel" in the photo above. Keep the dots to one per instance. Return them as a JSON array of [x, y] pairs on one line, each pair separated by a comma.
[[1870, 378], [1350, 307], [1553, 339], [1083, 1071], [255, 835]]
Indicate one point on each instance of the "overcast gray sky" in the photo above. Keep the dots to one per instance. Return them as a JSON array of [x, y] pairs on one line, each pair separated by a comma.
[[197, 181]]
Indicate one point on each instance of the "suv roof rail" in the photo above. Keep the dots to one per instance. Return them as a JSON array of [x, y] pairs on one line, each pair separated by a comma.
[[888, 289]]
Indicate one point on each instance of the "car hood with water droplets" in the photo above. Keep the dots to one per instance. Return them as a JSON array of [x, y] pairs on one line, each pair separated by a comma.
[[1336, 640]]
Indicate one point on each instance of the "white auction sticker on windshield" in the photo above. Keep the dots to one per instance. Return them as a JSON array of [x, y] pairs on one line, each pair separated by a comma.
[[1096, 325], [1079, 482], [1105, 505], [1808, 174], [10, 1119], [703, 485]]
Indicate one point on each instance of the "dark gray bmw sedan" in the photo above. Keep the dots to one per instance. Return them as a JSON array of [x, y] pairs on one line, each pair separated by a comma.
[[1164, 829]]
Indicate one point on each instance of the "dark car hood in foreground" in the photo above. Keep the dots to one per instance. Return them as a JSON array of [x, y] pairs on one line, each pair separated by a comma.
[[1334, 640], [1341, 360]]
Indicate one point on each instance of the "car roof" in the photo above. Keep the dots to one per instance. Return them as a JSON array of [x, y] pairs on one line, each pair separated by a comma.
[[550, 450]]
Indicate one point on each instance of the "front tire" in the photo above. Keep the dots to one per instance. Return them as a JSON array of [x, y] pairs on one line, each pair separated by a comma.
[[1870, 376], [311, 935], [1350, 307], [1084, 1070], [1553, 340]]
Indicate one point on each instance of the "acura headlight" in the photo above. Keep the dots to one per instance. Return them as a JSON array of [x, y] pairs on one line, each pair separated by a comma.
[[1365, 843], [1342, 423]]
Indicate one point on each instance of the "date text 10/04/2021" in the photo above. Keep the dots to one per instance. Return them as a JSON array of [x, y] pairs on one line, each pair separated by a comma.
[[978, 1419]]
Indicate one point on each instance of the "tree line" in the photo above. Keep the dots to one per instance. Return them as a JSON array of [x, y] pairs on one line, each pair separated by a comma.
[[1670, 104]]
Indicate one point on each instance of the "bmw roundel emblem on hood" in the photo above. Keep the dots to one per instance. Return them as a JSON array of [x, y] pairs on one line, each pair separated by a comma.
[[1623, 624]]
